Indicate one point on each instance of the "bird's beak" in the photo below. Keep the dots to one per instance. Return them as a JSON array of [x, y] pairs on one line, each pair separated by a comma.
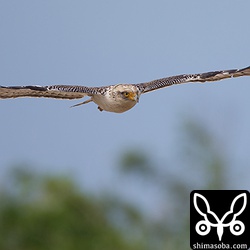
[[133, 97]]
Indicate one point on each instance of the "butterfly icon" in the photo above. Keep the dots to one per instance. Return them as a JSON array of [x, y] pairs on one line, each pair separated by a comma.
[[203, 227]]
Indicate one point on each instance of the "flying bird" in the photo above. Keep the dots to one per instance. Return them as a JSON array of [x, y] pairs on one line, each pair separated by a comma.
[[115, 98]]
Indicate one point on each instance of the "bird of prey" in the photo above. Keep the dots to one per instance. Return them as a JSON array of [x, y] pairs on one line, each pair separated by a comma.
[[115, 98]]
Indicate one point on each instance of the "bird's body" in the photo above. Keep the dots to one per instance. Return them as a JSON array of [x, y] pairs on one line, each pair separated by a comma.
[[118, 98], [115, 98]]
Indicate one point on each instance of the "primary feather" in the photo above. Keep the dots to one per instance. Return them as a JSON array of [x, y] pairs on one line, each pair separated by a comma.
[[116, 98]]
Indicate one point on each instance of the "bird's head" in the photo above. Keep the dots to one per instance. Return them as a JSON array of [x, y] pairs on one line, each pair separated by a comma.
[[127, 92]]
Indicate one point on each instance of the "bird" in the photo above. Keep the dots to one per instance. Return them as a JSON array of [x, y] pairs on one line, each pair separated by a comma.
[[116, 98]]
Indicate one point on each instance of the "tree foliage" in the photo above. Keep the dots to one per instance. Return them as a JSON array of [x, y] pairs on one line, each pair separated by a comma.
[[51, 213], [48, 212]]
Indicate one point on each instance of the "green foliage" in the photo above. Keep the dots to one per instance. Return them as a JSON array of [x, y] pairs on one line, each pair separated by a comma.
[[200, 164], [52, 214], [39, 212]]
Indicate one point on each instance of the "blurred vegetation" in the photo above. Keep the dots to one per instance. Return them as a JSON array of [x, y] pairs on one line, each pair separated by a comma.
[[51, 212]]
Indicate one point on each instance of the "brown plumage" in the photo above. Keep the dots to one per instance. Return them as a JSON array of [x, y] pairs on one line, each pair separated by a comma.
[[116, 98]]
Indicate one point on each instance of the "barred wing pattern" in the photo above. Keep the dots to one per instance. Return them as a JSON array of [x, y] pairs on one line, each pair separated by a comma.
[[202, 77], [54, 91], [115, 98]]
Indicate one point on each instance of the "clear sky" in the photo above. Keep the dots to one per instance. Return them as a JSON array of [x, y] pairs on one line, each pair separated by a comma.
[[97, 43]]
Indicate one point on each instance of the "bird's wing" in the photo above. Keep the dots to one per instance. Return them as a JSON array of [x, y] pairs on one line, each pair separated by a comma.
[[54, 91], [202, 77]]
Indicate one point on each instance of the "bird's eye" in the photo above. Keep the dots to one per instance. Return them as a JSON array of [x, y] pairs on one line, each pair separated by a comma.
[[126, 94]]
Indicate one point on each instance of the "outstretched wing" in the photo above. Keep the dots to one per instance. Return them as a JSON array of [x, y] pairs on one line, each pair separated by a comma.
[[202, 77], [54, 91]]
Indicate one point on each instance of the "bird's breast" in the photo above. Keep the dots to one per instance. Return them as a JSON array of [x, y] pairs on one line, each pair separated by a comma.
[[112, 104]]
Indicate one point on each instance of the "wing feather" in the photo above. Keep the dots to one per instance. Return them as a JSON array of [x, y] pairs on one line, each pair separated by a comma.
[[185, 78], [76, 92], [54, 91]]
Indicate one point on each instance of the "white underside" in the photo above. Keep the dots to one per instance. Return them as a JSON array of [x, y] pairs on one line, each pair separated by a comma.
[[111, 104]]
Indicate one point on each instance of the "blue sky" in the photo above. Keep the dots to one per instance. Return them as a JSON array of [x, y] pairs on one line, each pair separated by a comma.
[[97, 43]]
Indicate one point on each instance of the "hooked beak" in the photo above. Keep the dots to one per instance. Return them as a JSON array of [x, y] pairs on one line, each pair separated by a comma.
[[133, 96]]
